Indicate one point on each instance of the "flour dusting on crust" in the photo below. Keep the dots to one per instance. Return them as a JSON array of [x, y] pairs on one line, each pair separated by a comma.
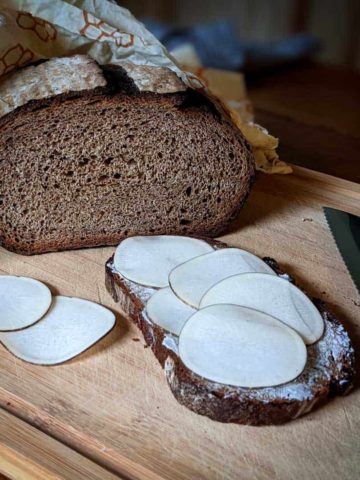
[[329, 370]]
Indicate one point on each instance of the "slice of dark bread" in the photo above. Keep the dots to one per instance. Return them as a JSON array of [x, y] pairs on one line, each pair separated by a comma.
[[329, 370], [89, 168]]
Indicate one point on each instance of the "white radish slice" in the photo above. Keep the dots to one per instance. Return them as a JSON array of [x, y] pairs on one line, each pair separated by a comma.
[[71, 326], [192, 279], [166, 310], [23, 301], [241, 347], [272, 295], [149, 260]]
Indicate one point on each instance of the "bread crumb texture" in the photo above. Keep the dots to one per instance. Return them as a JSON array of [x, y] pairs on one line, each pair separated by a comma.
[[91, 168]]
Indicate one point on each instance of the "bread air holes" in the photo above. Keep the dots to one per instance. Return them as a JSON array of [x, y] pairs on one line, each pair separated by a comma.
[[184, 221], [117, 175], [83, 162], [108, 160], [188, 191]]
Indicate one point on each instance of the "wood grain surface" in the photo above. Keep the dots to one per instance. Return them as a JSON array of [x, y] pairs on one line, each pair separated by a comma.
[[28, 454], [112, 404]]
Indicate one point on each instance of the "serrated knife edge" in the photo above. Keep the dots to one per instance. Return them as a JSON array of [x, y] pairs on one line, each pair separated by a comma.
[[354, 268]]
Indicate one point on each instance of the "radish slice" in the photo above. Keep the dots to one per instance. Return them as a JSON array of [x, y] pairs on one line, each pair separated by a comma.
[[192, 279], [272, 295], [166, 310], [71, 326], [149, 260], [23, 301], [242, 347]]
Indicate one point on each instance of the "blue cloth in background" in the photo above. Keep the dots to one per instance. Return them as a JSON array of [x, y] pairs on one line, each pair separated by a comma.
[[218, 45]]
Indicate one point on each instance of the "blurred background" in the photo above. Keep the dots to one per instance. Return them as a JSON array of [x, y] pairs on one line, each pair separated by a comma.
[[335, 23], [301, 60]]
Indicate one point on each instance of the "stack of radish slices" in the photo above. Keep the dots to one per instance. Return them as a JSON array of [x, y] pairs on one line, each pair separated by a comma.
[[237, 322], [46, 330]]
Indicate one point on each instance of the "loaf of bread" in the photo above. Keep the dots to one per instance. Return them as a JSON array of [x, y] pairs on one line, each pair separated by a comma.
[[329, 369], [93, 163]]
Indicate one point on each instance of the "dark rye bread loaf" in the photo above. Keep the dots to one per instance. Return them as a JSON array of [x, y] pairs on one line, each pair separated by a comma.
[[90, 168], [329, 370]]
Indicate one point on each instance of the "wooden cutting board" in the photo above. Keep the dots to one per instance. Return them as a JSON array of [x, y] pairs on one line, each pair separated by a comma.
[[113, 405]]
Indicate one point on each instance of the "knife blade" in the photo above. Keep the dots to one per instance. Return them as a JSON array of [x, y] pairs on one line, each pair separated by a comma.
[[345, 229]]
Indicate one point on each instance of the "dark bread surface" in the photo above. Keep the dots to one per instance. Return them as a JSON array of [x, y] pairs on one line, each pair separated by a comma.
[[90, 168], [329, 370]]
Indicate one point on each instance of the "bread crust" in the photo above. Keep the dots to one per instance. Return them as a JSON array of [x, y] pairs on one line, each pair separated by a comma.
[[329, 370]]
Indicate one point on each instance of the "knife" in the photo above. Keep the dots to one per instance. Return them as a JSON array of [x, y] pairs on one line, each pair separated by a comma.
[[345, 229]]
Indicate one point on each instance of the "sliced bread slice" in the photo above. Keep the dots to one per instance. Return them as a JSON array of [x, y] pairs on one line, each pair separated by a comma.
[[329, 369], [91, 167]]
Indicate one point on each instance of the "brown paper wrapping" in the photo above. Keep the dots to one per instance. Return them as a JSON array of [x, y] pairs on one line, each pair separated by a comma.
[[31, 30]]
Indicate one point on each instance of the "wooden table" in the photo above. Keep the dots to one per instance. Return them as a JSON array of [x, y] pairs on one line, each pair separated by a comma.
[[315, 111], [110, 412], [75, 421]]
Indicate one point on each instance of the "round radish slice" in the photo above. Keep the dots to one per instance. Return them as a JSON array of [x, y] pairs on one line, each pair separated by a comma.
[[272, 295], [71, 326], [166, 310], [23, 301], [241, 347], [149, 260], [192, 279]]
